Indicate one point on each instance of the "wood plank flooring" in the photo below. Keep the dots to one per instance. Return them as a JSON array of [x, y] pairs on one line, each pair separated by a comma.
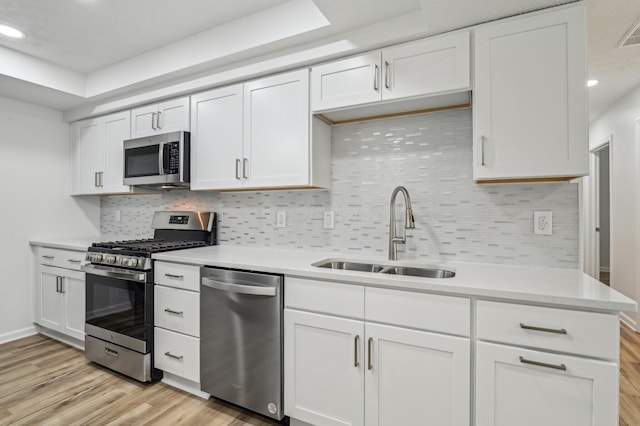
[[45, 382]]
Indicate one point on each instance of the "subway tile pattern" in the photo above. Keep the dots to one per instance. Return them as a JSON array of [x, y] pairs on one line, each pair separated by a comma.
[[431, 155]]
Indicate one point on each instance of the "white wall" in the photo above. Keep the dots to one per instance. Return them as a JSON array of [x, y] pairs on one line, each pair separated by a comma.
[[34, 188], [619, 122]]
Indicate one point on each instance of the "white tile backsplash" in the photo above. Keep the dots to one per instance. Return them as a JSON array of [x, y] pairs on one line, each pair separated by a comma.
[[431, 155]]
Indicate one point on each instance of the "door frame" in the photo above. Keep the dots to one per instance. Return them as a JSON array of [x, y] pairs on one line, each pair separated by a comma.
[[592, 209]]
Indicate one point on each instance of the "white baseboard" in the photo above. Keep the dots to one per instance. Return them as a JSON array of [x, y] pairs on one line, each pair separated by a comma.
[[17, 334], [605, 269], [628, 321], [184, 384], [78, 344]]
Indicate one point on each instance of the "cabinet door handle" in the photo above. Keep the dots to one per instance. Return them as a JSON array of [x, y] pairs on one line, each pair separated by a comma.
[[386, 75], [74, 261], [356, 346], [375, 77], [62, 285], [101, 174], [153, 121], [171, 311], [245, 168], [369, 349], [547, 330], [96, 182], [175, 277], [543, 364], [57, 284], [170, 355], [238, 168], [482, 140], [158, 120], [47, 257]]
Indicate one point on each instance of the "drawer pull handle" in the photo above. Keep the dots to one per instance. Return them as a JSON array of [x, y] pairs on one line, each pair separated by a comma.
[[547, 330], [111, 352], [74, 261], [170, 311], [356, 358], [543, 364], [48, 257], [176, 277], [170, 355], [369, 349]]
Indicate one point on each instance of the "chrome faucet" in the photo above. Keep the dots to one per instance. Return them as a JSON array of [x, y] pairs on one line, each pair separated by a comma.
[[394, 240]]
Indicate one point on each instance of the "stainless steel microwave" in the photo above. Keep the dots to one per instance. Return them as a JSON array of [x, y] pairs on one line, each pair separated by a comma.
[[160, 161]]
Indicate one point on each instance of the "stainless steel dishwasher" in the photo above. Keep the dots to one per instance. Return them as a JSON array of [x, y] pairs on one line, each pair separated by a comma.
[[241, 339]]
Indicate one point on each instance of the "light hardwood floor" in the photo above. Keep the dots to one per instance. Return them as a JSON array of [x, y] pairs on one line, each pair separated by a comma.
[[43, 381]]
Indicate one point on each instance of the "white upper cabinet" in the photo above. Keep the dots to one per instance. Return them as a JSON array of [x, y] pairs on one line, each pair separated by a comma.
[[164, 117], [530, 97], [216, 139], [97, 154], [426, 67], [259, 135]]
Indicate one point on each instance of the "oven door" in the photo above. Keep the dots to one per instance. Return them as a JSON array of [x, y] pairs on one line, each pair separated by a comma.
[[119, 306]]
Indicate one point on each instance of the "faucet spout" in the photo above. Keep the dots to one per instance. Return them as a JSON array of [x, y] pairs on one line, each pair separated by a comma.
[[394, 240]]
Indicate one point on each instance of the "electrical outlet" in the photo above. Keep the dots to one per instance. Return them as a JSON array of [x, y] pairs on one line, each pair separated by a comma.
[[329, 220], [543, 223], [281, 219]]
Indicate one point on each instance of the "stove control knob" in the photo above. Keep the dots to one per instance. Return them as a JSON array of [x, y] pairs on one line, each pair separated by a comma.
[[110, 259], [97, 257]]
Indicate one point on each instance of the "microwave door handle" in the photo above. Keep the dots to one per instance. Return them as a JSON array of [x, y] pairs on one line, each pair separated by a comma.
[[166, 157], [161, 159]]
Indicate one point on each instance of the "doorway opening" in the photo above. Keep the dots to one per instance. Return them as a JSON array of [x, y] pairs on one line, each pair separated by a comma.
[[601, 162]]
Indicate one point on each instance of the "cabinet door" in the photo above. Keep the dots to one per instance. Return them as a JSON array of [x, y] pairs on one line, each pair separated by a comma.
[[87, 156], [431, 66], [512, 391], [324, 370], [216, 139], [347, 82], [50, 303], [116, 129], [173, 115], [416, 378], [530, 97], [73, 291], [144, 121], [276, 131]]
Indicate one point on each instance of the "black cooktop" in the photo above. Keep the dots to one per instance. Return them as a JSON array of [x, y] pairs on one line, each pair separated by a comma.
[[146, 246]]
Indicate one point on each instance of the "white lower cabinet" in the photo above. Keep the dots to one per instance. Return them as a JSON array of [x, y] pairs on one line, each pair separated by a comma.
[[345, 371], [177, 353], [60, 293], [516, 386]]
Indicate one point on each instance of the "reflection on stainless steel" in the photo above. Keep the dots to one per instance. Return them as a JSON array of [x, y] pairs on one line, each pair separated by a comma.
[[409, 223], [241, 339], [414, 271]]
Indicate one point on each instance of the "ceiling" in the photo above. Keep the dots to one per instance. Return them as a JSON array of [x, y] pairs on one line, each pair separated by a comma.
[[86, 52]]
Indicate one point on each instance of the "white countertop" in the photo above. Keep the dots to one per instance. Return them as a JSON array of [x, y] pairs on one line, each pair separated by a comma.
[[552, 286], [77, 244]]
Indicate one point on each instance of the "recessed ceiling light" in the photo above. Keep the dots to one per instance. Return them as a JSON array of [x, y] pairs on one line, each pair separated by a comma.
[[591, 83], [11, 32]]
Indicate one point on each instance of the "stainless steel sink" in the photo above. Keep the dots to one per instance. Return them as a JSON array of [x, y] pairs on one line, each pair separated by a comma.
[[384, 269]]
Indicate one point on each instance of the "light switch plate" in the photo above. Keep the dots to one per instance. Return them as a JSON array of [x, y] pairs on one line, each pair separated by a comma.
[[543, 223], [281, 219], [329, 222]]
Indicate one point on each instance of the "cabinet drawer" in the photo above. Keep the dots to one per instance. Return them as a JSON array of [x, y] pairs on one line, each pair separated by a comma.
[[577, 332], [177, 353], [68, 259], [433, 312], [324, 296], [177, 310], [179, 276]]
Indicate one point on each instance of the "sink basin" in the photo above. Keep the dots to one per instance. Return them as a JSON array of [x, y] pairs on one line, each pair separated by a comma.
[[385, 269]]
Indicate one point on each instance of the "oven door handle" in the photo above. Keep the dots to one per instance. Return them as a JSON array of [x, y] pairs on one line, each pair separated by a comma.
[[239, 288], [121, 274]]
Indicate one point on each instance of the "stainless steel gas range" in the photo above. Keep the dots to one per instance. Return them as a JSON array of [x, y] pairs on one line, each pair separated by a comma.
[[119, 291]]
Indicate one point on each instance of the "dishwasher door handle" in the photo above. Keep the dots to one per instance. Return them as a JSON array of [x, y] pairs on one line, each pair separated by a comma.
[[239, 288]]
